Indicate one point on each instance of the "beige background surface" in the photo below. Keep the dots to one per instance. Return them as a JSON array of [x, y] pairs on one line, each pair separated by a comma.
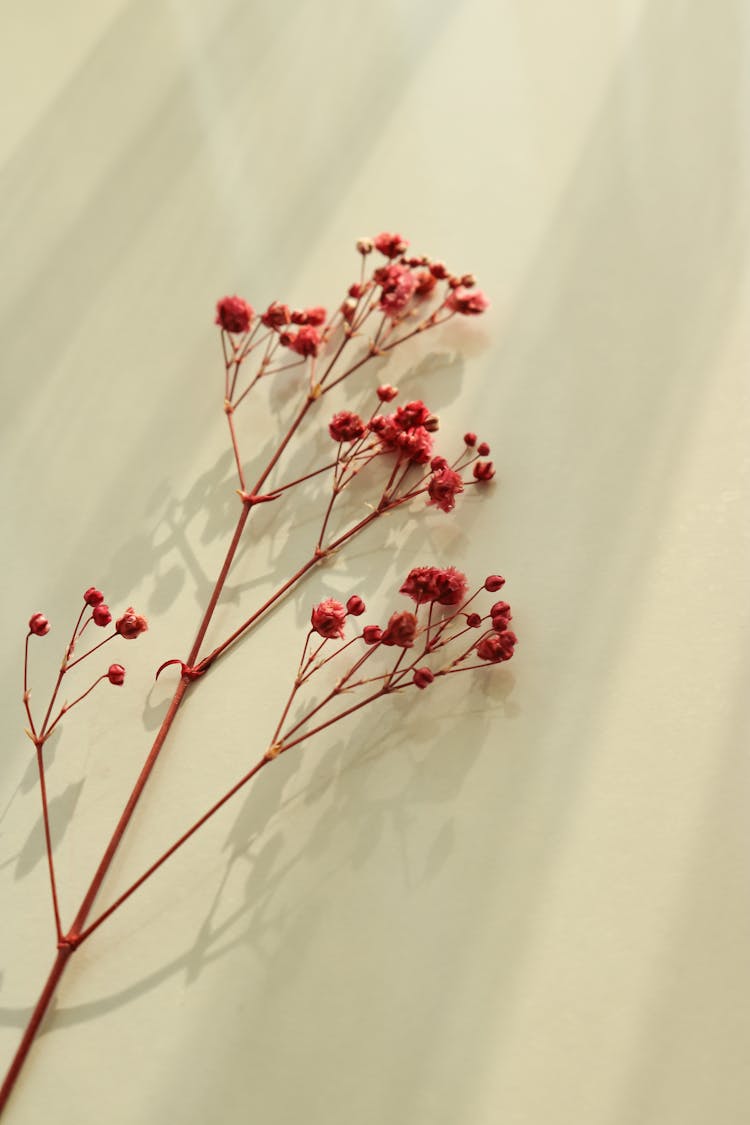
[[523, 902]]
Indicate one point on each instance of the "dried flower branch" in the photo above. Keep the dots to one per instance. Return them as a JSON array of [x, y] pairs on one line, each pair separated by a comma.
[[392, 458]]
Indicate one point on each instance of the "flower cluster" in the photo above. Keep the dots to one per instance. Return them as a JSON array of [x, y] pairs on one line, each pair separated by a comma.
[[129, 626], [425, 641]]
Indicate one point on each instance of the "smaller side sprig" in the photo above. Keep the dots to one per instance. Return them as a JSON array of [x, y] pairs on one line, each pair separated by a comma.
[[94, 611], [439, 637]]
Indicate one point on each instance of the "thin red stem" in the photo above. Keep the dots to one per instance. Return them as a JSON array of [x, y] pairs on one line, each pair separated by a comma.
[[170, 851], [48, 838], [29, 1035]]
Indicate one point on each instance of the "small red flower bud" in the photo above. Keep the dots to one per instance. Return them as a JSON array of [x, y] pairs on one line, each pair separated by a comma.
[[496, 647], [494, 582], [116, 674], [93, 596], [391, 245], [305, 342], [473, 620], [355, 606], [401, 630], [365, 245], [355, 290], [423, 677], [467, 302], [346, 426], [387, 393], [470, 438], [276, 315], [371, 634], [327, 619], [38, 625], [131, 624], [101, 615], [500, 609], [439, 270], [316, 316], [468, 281], [484, 470], [348, 309], [234, 314], [483, 449], [438, 463], [425, 283]]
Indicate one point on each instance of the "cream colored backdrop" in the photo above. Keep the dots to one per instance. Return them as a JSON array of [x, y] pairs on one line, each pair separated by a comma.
[[525, 901]]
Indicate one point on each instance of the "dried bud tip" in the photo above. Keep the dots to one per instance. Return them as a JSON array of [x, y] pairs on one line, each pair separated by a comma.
[[371, 634], [423, 677], [101, 615], [38, 625], [470, 438], [484, 470], [365, 245], [432, 423], [93, 596], [387, 393], [131, 624], [355, 606], [494, 582], [234, 314], [327, 619], [116, 674]]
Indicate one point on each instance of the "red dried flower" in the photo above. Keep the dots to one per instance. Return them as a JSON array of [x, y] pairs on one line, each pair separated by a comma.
[[484, 470], [473, 620], [355, 606], [451, 586], [423, 677], [93, 596], [500, 609], [397, 284], [328, 618], [371, 634], [411, 414], [470, 438], [401, 630], [305, 342], [443, 487], [390, 244], [483, 449], [439, 270], [425, 284], [316, 316], [493, 583], [101, 615], [416, 445], [386, 393], [234, 314], [496, 647], [38, 625], [276, 315], [420, 584], [116, 674], [346, 426], [131, 624], [467, 302]]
